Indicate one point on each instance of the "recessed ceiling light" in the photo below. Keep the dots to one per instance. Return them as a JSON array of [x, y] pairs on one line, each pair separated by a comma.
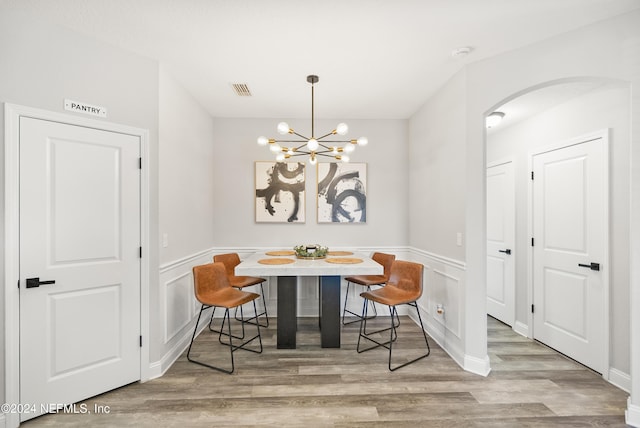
[[494, 118]]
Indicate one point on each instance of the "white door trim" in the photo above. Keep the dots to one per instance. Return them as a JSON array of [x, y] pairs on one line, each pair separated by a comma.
[[12, 114], [603, 134]]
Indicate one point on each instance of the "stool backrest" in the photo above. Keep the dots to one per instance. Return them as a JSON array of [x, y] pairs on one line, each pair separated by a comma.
[[407, 276], [209, 279], [386, 260], [230, 261]]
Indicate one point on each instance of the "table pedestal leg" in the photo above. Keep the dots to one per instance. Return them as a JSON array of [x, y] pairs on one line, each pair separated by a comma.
[[287, 312], [330, 311]]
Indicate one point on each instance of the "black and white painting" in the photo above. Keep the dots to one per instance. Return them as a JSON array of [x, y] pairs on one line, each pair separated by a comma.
[[280, 192], [342, 194]]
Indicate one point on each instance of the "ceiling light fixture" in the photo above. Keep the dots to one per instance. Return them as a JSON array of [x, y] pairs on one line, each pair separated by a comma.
[[312, 146], [494, 119]]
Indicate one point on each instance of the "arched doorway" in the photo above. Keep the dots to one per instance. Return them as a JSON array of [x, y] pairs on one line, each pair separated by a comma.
[[550, 113]]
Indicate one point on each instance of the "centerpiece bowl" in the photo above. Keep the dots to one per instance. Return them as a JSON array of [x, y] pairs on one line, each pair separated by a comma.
[[311, 251]]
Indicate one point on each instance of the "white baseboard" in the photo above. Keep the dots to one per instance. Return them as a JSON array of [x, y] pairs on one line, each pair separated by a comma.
[[521, 328], [479, 366], [159, 368], [632, 414], [620, 379]]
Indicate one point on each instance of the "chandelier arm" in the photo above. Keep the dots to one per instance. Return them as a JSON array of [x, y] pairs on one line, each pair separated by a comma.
[[325, 136], [291, 141], [336, 141], [297, 149], [301, 136]]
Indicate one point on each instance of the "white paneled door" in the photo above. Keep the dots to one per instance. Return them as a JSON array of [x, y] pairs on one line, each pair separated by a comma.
[[501, 213], [570, 217], [79, 262]]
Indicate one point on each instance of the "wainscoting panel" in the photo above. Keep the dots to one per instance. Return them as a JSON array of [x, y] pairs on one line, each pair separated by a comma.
[[179, 304], [443, 288]]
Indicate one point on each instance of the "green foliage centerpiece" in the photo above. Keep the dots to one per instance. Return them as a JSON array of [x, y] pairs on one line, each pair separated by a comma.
[[311, 251]]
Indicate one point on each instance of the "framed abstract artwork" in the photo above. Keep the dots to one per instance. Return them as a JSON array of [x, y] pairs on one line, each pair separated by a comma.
[[342, 192], [280, 192]]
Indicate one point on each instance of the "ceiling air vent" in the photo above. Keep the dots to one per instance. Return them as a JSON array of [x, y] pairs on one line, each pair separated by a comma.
[[241, 89]]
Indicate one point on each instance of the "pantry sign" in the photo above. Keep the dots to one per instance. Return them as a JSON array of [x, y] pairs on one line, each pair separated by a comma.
[[80, 107]]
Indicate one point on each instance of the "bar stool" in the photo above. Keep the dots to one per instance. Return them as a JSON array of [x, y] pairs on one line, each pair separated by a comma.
[[386, 260], [403, 288], [230, 261], [212, 289]]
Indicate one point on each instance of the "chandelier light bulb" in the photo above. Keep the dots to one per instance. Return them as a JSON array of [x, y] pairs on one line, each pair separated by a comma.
[[263, 141], [280, 157], [344, 158], [312, 159], [313, 145], [335, 151], [342, 129], [283, 128], [362, 141], [349, 148], [275, 148]]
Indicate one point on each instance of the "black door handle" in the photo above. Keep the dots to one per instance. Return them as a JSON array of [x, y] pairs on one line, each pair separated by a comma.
[[592, 266], [35, 282], [507, 251]]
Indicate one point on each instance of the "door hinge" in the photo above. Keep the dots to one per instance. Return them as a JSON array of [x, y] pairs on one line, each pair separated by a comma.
[[141, 341], [139, 163], [532, 242], [532, 175], [140, 251], [18, 284], [532, 308]]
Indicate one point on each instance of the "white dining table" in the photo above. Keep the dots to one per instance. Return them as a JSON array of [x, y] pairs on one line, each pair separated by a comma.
[[329, 275]]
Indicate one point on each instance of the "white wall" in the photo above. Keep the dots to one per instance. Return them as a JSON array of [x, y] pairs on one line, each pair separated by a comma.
[[437, 171], [386, 157], [186, 172], [186, 214], [603, 108], [42, 64], [436, 210]]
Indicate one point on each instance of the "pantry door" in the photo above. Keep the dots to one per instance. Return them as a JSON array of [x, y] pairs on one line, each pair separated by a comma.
[[79, 262]]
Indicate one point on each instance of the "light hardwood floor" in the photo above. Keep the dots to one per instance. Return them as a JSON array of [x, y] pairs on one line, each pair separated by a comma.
[[529, 386]]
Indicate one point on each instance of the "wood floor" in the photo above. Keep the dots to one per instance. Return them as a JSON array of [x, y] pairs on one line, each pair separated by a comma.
[[529, 386]]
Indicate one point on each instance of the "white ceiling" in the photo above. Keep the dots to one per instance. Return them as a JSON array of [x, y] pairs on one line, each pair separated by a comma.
[[375, 58]]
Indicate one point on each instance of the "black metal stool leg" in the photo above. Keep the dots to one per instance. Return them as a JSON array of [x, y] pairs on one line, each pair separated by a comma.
[[249, 320], [232, 348], [345, 310]]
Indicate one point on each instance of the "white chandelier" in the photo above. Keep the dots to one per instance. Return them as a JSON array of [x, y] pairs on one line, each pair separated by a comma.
[[312, 146]]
